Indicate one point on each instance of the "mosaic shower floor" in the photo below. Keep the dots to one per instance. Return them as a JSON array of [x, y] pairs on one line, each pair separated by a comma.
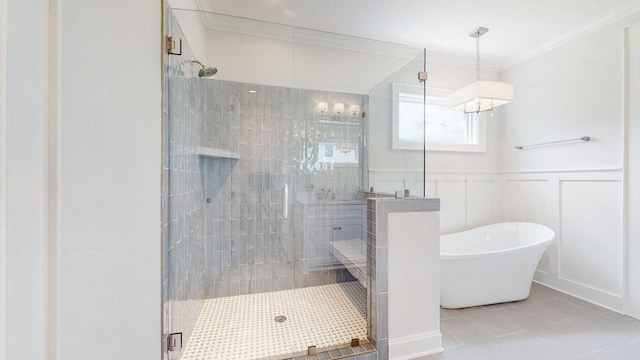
[[244, 327]]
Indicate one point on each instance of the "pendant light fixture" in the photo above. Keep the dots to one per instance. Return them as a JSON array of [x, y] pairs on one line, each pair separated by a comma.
[[482, 95]]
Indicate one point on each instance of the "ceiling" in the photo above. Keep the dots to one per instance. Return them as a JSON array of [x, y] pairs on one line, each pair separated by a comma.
[[519, 29]]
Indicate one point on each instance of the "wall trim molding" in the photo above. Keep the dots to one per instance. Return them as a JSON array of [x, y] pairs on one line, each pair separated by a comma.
[[506, 172], [559, 171], [586, 293], [461, 210], [411, 347]]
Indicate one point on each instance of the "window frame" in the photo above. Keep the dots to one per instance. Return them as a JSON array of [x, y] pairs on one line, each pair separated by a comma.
[[400, 144]]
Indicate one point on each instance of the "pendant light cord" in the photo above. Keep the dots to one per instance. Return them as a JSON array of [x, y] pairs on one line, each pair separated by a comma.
[[478, 56]]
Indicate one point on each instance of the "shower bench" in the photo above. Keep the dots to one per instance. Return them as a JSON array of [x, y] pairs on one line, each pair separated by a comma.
[[352, 254]]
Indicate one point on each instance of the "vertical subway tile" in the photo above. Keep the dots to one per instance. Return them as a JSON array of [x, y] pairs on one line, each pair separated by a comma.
[[235, 243]]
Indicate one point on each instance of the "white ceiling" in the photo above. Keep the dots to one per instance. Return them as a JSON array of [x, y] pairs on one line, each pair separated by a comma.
[[519, 29]]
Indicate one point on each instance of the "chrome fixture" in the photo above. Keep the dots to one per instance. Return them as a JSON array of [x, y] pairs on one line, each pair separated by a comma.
[[173, 45], [482, 95], [338, 108], [204, 70], [285, 202], [584, 138]]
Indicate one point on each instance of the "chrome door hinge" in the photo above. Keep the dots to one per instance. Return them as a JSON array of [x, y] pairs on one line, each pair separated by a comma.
[[174, 342], [422, 76], [173, 45]]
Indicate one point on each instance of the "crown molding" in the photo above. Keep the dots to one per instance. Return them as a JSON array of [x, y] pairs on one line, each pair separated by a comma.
[[624, 17]]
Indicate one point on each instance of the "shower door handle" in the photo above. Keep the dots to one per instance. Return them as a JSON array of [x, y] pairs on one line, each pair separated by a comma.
[[285, 202]]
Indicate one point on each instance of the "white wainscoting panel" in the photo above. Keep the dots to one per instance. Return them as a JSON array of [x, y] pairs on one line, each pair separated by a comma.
[[482, 202], [453, 205], [431, 188], [532, 200], [591, 231], [467, 200], [583, 207]]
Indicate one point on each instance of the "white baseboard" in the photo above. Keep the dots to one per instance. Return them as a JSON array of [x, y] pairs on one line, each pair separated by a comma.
[[589, 294], [415, 346]]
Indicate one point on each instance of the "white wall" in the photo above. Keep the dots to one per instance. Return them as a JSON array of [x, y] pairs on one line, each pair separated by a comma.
[[572, 91], [269, 54], [632, 306], [103, 257], [26, 199], [576, 188], [109, 270], [3, 179], [234, 55]]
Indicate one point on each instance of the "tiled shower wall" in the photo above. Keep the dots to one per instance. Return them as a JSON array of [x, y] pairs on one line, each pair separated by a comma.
[[248, 248], [222, 231]]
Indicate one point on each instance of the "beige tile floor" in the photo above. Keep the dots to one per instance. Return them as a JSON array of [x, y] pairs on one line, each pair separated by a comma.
[[547, 326], [243, 327]]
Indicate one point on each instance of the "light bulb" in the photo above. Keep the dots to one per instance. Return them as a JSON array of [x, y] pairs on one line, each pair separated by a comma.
[[323, 107]]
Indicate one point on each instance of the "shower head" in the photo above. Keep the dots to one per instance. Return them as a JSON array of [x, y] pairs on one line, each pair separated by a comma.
[[204, 71]]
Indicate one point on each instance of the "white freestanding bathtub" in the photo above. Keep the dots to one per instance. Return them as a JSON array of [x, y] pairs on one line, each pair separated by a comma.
[[490, 264]]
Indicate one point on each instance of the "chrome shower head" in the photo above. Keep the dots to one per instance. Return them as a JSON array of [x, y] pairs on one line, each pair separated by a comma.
[[204, 70]]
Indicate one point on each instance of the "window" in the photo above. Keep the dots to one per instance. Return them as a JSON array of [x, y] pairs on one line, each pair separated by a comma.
[[338, 153], [446, 130]]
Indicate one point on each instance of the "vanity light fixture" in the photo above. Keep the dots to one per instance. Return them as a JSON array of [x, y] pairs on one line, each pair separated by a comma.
[[323, 107], [338, 108], [481, 95]]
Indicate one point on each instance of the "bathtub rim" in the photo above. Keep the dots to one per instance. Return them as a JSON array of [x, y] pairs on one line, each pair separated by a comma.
[[542, 243]]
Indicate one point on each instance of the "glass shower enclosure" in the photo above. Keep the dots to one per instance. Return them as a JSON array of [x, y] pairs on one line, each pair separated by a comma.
[[267, 168]]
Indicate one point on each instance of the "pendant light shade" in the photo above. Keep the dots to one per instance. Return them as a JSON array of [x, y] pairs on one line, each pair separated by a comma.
[[481, 95]]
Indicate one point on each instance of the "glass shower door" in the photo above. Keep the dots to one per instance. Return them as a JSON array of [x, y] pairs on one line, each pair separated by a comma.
[[268, 166], [351, 81]]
